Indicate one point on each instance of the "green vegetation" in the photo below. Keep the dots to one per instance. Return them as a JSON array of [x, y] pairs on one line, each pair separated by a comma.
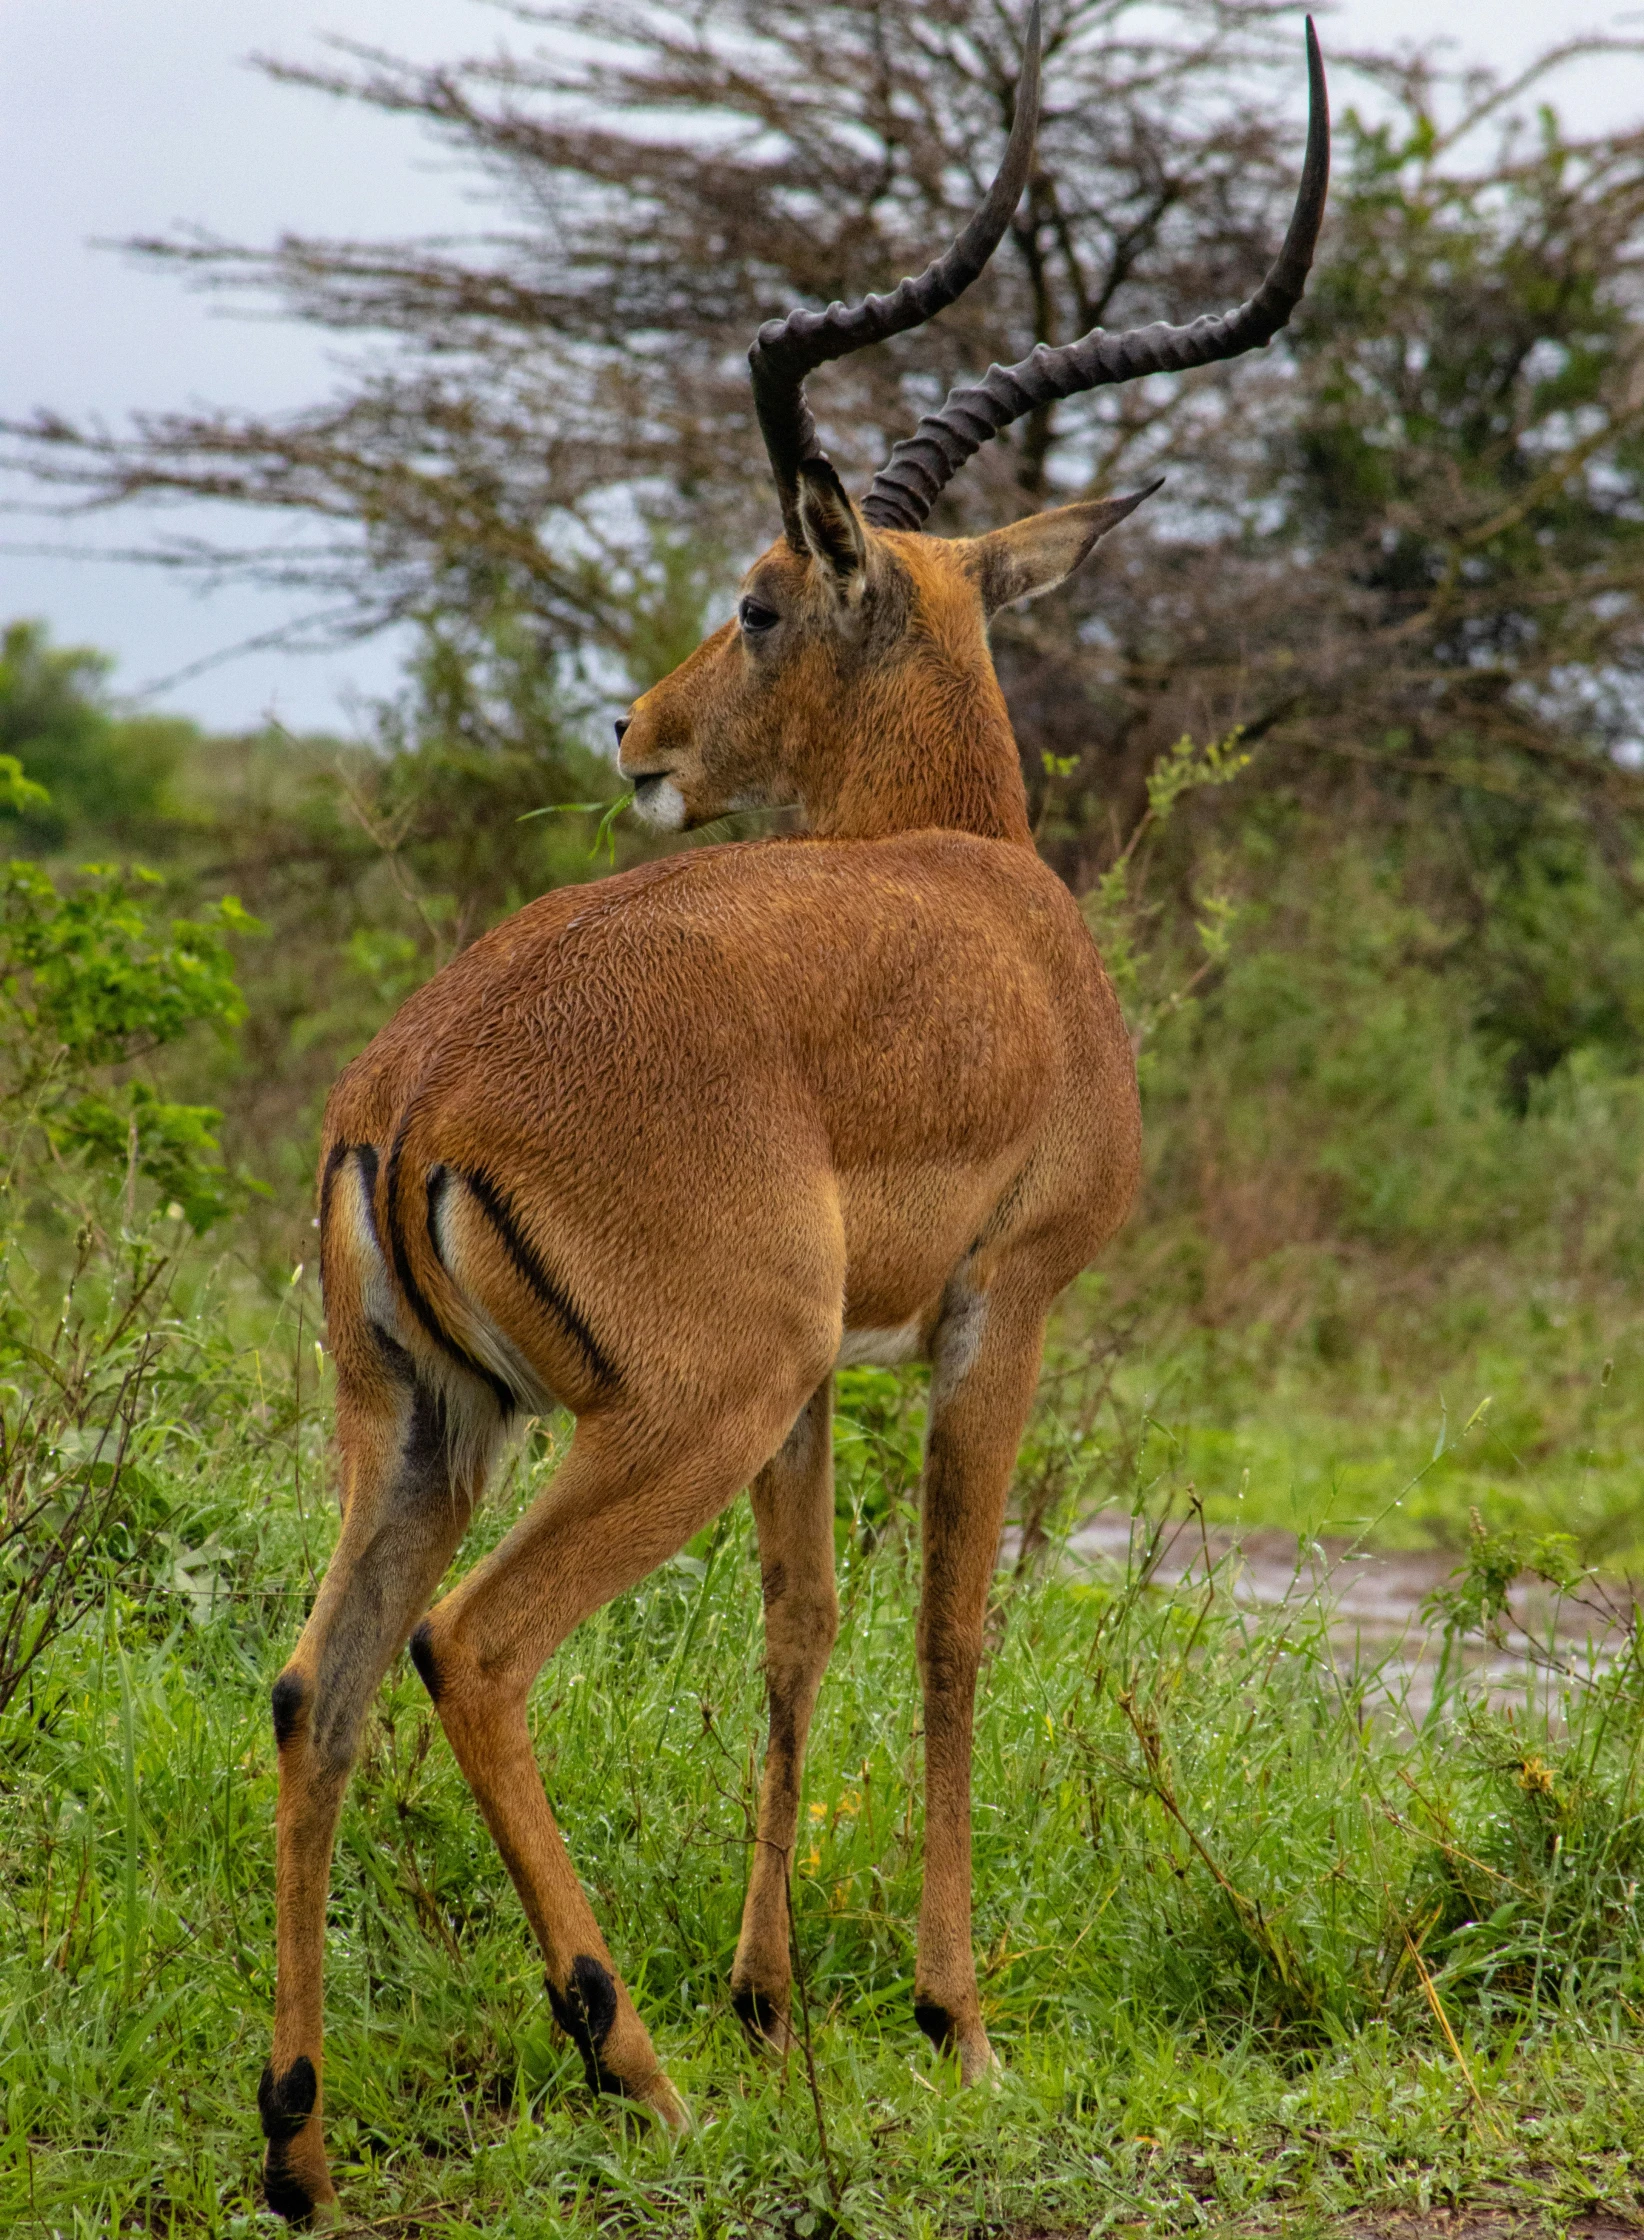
[[1356, 1230], [1258, 1944], [90, 767], [1247, 1957]]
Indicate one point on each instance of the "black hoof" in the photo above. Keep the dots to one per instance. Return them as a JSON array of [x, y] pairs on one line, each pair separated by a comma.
[[585, 2011], [936, 2022], [285, 2105], [761, 2017], [285, 2193]]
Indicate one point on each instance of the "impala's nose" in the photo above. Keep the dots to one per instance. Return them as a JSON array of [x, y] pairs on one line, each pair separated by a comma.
[[620, 726]]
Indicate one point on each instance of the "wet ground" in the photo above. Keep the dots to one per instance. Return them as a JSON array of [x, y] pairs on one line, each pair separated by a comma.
[[1380, 1620]]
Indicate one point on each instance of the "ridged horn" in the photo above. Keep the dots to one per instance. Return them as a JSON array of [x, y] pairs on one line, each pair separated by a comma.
[[785, 350], [923, 464]]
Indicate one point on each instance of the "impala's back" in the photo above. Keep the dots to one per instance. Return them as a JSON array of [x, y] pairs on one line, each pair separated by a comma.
[[759, 1098]]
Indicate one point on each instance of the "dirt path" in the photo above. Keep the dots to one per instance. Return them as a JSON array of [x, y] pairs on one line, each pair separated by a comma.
[[1376, 1609]]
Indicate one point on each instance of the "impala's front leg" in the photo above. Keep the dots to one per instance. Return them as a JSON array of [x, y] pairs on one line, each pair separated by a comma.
[[793, 1509], [986, 1366]]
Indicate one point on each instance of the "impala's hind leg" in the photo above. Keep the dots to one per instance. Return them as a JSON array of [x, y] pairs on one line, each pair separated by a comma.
[[793, 1508], [986, 1365], [626, 1497], [404, 1512]]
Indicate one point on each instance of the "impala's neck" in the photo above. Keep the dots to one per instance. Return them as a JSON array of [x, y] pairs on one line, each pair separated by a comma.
[[931, 746]]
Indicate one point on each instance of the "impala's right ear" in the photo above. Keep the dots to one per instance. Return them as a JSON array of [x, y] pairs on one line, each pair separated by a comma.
[[1037, 554], [832, 528]]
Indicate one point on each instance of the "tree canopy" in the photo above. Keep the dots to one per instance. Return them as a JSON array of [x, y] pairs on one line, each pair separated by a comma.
[[1401, 548]]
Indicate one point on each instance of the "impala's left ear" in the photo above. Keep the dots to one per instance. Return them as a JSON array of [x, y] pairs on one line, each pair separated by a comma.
[[832, 528], [1039, 553]]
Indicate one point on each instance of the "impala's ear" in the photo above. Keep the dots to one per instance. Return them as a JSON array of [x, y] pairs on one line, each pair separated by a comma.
[[1039, 553], [832, 528]]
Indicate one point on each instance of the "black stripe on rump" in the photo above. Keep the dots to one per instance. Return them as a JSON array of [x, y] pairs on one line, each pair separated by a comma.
[[401, 1367], [414, 1292], [366, 1153], [338, 1153], [494, 1202], [334, 1159]]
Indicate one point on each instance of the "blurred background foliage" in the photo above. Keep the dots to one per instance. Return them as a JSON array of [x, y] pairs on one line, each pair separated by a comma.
[[1389, 979]]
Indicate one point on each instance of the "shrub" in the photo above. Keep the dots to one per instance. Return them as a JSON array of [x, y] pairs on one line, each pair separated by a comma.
[[92, 983]]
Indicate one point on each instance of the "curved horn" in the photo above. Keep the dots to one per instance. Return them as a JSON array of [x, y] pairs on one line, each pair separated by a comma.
[[785, 350], [923, 464]]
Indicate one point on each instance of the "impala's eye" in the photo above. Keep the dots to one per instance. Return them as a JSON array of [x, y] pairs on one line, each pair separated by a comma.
[[754, 616]]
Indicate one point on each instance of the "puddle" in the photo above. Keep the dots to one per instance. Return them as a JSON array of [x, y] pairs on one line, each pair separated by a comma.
[[1376, 1605]]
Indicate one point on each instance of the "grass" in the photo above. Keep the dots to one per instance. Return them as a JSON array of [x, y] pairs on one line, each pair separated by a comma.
[[1321, 1422], [1253, 1955]]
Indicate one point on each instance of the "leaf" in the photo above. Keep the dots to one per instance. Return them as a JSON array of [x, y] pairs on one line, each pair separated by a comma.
[[18, 793]]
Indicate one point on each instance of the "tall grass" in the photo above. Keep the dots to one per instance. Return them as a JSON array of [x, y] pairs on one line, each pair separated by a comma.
[[1249, 1945]]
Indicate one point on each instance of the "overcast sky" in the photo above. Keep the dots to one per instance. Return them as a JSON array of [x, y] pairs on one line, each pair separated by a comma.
[[118, 118]]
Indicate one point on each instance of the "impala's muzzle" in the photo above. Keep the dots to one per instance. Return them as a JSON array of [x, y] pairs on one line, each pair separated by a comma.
[[659, 801]]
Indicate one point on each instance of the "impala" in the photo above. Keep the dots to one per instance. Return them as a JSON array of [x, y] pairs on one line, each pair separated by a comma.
[[667, 1150]]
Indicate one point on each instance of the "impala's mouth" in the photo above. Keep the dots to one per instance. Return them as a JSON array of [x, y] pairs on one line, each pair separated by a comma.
[[658, 800]]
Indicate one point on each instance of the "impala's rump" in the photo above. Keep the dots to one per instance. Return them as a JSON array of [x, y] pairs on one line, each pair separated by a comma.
[[525, 1257], [881, 1039], [434, 1284]]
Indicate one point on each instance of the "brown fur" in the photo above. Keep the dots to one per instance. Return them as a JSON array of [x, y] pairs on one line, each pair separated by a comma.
[[658, 1149]]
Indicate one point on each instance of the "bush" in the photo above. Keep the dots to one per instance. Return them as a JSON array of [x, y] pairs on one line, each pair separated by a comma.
[[92, 983], [92, 770]]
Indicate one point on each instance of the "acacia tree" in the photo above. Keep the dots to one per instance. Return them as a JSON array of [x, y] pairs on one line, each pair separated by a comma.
[[596, 344], [1402, 549]]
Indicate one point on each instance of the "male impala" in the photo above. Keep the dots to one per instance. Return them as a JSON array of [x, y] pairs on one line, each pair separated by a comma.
[[668, 1149]]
